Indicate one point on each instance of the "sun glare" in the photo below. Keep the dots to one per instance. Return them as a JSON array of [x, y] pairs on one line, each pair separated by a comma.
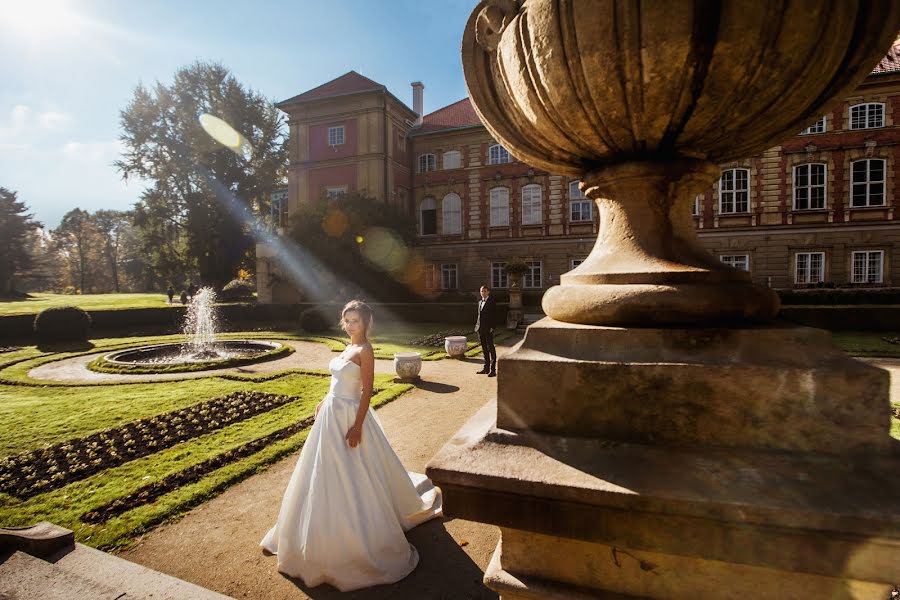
[[39, 20]]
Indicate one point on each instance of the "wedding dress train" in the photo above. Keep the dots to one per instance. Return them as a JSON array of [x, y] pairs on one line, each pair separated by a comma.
[[345, 510]]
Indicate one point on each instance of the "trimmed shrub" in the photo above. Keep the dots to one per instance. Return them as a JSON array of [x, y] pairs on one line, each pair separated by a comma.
[[237, 290], [839, 296], [62, 324], [313, 320]]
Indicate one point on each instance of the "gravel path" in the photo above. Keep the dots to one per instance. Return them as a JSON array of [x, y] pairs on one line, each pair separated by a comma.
[[216, 545]]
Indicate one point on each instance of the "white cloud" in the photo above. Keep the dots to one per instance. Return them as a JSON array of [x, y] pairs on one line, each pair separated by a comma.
[[53, 119], [96, 152]]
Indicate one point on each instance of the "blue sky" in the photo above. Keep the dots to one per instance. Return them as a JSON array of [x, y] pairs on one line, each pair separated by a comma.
[[69, 66]]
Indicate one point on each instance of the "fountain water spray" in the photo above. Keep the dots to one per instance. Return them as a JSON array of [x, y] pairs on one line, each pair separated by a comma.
[[201, 324]]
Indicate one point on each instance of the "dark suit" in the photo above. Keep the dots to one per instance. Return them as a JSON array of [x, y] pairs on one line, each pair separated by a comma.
[[484, 325]]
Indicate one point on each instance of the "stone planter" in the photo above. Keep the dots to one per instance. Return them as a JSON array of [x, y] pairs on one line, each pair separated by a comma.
[[455, 345], [407, 365]]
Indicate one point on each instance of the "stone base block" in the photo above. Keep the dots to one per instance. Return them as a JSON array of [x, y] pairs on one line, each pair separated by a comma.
[[772, 387], [607, 519]]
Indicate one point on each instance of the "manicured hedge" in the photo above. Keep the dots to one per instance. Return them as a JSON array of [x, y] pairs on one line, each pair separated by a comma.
[[62, 324], [839, 296]]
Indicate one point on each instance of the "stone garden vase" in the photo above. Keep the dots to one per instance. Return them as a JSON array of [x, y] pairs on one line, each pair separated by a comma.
[[455, 345], [407, 365]]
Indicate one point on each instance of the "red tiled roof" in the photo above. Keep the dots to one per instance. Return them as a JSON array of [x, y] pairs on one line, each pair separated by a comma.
[[891, 62], [458, 114], [348, 83]]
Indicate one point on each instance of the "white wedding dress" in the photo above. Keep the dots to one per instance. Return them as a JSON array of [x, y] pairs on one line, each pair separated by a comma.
[[345, 510]]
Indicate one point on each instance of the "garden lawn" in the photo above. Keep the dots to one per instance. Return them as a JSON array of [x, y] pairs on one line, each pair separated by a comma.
[[885, 344], [39, 301], [35, 416]]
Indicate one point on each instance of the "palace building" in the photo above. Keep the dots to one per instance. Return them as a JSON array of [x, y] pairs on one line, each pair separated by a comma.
[[816, 210]]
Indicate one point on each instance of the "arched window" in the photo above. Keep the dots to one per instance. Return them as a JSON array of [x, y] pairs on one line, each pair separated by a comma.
[[867, 182], [734, 191], [499, 207], [497, 155], [452, 214], [428, 213], [426, 163], [809, 186], [867, 116], [451, 159], [580, 208], [531, 204]]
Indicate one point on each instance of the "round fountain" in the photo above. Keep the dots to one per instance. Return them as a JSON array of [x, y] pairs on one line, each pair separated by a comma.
[[201, 350]]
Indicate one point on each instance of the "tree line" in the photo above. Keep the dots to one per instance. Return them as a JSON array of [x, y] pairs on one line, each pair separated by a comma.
[[194, 221]]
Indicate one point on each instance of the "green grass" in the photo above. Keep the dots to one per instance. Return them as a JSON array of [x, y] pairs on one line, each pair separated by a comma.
[[39, 301], [868, 343], [36, 415]]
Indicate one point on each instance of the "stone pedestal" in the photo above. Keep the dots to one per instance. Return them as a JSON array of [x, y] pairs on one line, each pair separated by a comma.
[[682, 463], [515, 315]]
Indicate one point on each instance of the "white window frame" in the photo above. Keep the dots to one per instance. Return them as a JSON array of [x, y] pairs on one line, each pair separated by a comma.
[[335, 191], [428, 203], [861, 266], [803, 267], [499, 276], [867, 115], [336, 136], [498, 155], [451, 159], [811, 187], [427, 163], [499, 211], [449, 274], [533, 278], [819, 126], [578, 203], [695, 209], [430, 277], [728, 192], [532, 204], [451, 211], [868, 182], [737, 261]]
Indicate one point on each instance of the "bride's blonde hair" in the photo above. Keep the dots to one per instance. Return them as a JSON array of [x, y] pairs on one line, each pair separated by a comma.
[[365, 314]]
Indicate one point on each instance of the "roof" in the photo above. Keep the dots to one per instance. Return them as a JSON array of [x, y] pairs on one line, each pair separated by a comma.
[[348, 83], [891, 61], [458, 114]]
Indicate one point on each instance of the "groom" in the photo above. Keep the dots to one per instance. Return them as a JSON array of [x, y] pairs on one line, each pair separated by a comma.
[[484, 325]]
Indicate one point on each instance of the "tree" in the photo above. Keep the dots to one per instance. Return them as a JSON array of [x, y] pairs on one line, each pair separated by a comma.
[[75, 239], [110, 225], [16, 225], [199, 187]]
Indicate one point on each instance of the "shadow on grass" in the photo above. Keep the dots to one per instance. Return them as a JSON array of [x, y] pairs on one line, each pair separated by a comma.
[[444, 571], [73, 346]]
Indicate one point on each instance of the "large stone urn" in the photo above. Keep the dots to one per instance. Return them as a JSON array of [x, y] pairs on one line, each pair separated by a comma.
[[658, 435], [455, 345], [407, 365]]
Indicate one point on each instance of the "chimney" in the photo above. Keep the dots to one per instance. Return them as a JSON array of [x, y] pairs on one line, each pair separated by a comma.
[[418, 100]]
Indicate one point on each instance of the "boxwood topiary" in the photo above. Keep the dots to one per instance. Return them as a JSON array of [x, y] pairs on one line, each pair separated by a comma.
[[237, 290], [62, 324], [313, 320]]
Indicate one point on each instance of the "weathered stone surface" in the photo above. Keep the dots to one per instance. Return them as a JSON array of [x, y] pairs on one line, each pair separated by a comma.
[[774, 387], [817, 515], [41, 540]]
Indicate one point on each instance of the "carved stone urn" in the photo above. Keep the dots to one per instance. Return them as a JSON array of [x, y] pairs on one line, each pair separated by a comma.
[[642, 100]]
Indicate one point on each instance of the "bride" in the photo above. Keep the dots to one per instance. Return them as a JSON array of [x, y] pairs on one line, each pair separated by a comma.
[[350, 499]]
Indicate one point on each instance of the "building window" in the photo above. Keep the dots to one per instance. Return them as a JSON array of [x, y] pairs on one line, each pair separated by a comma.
[[817, 127], [734, 191], [449, 280], [809, 267], [868, 266], [451, 207], [809, 187], [499, 207], [430, 282], [497, 155], [426, 163], [452, 159], [867, 116], [695, 210], [579, 206], [499, 278], [428, 212], [576, 261], [335, 191], [867, 183], [575, 190], [531, 204], [336, 135], [533, 276], [738, 261]]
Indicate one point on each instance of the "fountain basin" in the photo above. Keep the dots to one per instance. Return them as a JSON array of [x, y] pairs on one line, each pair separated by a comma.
[[184, 357]]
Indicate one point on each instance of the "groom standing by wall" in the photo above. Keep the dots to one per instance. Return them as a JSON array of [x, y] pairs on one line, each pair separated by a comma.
[[484, 325]]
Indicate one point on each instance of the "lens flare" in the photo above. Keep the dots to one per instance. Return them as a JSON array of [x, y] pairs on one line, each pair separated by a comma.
[[359, 239], [226, 135], [385, 249], [335, 222]]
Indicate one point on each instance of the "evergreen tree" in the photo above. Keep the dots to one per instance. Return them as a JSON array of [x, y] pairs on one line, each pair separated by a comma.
[[16, 225]]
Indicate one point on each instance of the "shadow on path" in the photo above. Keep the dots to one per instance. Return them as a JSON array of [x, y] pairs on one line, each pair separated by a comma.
[[439, 554], [435, 386]]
